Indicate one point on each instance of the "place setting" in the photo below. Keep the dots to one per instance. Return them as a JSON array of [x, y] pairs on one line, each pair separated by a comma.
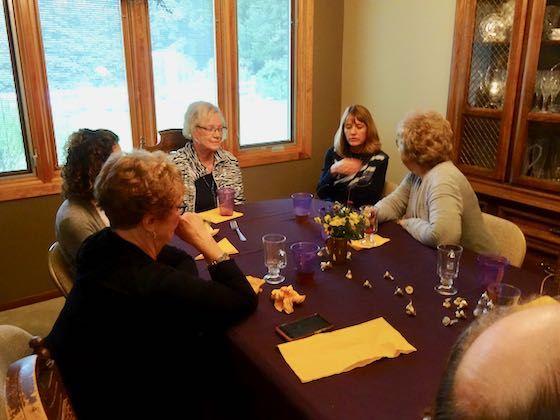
[[223, 213]]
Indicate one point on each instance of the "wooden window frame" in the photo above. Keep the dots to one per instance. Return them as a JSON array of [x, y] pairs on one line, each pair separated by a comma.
[[45, 177]]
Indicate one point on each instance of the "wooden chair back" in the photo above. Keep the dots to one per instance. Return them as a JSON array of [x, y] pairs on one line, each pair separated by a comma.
[[510, 238], [389, 188], [59, 270], [14, 344], [34, 388], [170, 140], [552, 276]]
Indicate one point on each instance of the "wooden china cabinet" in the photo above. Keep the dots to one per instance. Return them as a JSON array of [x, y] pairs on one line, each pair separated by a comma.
[[504, 106]]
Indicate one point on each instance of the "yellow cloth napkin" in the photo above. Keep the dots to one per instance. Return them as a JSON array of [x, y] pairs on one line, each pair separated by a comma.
[[379, 240], [210, 229], [342, 350], [213, 215], [540, 301], [225, 245], [256, 283]]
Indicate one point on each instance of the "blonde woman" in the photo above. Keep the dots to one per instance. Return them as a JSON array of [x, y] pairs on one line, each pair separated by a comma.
[[435, 202], [355, 167], [203, 164]]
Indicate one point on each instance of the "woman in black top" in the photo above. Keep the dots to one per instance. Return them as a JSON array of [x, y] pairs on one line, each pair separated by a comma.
[[141, 327], [355, 167]]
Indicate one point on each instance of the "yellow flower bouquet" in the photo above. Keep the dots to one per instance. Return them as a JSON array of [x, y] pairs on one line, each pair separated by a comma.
[[342, 222]]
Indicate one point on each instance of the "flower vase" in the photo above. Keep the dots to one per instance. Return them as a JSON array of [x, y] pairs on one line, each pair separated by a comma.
[[338, 249]]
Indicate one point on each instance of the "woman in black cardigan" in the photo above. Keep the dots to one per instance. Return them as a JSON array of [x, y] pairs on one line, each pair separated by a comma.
[[141, 327], [355, 167]]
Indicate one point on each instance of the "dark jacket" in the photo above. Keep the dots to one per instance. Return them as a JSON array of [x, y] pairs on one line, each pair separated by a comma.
[[135, 333]]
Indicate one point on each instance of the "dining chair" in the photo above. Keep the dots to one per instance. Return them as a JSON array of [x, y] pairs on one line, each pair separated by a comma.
[[552, 272], [14, 344], [509, 237], [59, 270], [389, 188], [34, 388], [171, 140]]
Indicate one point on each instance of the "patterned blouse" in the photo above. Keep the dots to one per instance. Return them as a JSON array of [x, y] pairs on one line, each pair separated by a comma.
[[226, 173]]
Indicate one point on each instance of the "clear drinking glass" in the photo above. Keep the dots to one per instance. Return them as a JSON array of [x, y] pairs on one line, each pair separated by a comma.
[[495, 82], [274, 245], [370, 213], [554, 89], [538, 91], [448, 268]]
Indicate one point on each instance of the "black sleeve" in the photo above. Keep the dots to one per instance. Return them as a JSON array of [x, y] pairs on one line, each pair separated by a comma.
[[325, 188], [372, 192], [222, 302], [178, 259]]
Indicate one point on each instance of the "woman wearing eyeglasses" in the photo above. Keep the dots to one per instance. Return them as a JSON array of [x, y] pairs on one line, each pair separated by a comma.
[[203, 164]]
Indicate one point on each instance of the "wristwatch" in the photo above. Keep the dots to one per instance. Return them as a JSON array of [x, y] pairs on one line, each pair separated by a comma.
[[221, 258]]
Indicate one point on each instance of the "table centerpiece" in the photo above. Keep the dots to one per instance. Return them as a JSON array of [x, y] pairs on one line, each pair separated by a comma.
[[341, 224]]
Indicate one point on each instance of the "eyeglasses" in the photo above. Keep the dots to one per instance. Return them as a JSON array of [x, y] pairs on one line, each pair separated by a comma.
[[222, 131]]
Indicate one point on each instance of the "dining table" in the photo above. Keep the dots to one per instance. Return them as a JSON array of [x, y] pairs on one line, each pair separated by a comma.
[[390, 388]]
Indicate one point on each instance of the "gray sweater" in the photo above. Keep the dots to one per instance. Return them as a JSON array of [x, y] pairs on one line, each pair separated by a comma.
[[75, 221], [440, 208]]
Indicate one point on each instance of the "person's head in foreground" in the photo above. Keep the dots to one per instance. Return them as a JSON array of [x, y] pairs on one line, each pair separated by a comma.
[[140, 193], [356, 132], [86, 152], [424, 139], [506, 365]]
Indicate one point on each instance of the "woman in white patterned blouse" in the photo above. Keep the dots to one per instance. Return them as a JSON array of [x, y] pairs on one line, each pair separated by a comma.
[[204, 165]]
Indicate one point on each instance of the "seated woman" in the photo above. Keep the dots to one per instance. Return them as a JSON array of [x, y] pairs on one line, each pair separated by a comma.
[[355, 168], [205, 167], [140, 323], [78, 216], [435, 202]]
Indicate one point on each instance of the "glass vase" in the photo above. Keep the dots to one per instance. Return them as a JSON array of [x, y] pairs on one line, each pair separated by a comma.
[[338, 249]]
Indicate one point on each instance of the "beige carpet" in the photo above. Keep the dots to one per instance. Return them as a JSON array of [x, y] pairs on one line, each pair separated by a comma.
[[37, 318]]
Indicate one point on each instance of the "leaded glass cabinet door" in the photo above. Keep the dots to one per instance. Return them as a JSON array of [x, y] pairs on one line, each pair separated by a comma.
[[536, 160], [484, 84]]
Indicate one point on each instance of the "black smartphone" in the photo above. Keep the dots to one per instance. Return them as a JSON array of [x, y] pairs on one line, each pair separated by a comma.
[[303, 327]]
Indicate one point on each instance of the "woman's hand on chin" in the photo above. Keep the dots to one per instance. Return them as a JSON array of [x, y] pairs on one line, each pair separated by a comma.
[[191, 229]]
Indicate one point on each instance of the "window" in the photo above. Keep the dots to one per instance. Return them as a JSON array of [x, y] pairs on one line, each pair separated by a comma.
[[13, 154], [84, 55], [264, 69], [134, 66], [184, 58]]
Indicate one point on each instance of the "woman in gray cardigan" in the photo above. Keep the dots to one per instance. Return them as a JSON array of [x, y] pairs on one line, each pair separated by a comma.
[[435, 202], [78, 217]]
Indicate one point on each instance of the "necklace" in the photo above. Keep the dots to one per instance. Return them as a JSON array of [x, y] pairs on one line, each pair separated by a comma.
[[211, 187]]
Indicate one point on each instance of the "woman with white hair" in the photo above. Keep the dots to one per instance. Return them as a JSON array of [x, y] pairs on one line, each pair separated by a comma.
[[435, 202], [203, 164]]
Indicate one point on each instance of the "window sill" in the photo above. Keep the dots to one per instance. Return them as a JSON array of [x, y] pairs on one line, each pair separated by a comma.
[[268, 155], [30, 186]]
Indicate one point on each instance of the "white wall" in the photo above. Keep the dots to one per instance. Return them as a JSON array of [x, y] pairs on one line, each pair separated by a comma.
[[396, 58]]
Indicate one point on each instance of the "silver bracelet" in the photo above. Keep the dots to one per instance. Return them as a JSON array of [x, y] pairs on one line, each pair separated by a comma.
[[221, 258]]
